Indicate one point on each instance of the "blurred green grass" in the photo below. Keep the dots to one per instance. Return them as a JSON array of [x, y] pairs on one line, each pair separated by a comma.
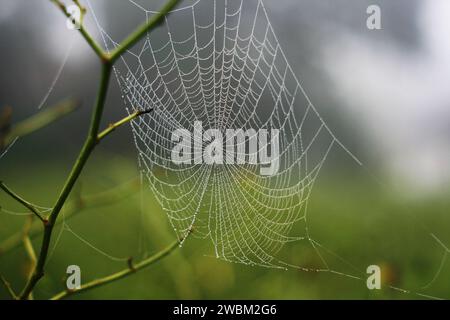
[[356, 222]]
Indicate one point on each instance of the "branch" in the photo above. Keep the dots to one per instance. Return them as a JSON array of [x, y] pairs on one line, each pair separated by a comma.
[[74, 207], [29, 248], [38, 121], [82, 9], [92, 43], [152, 23], [28, 245], [85, 152], [23, 202], [129, 41], [132, 268], [91, 140], [114, 126], [8, 288], [5, 126]]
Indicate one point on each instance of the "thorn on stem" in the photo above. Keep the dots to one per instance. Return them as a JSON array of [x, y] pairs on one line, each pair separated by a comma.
[[144, 111]]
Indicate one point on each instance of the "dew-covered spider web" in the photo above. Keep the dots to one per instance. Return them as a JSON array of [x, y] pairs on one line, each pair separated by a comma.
[[226, 69], [220, 62]]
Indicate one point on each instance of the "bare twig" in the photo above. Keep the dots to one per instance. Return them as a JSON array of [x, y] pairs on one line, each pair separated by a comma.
[[8, 287], [152, 23], [23, 202], [38, 121], [107, 61], [114, 126], [5, 126], [27, 242], [85, 152], [29, 248], [82, 10], [92, 43], [131, 269], [74, 207]]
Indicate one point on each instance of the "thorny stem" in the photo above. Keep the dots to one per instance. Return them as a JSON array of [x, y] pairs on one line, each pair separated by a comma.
[[91, 140], [131, 269]]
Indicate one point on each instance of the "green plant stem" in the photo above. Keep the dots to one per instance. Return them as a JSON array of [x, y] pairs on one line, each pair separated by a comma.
[[8, 287], [87, 149], [40, 120], [132, 268], [152, 23], [29, 248], [114, 126], [92, 138], [27, 242], [92, 43], [22, 201], [72, 208]]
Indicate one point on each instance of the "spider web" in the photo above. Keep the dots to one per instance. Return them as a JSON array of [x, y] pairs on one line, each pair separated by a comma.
[[220, 62]]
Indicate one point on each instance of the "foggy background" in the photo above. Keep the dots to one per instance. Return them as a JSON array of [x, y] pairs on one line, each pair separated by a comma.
[[383, 92]]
